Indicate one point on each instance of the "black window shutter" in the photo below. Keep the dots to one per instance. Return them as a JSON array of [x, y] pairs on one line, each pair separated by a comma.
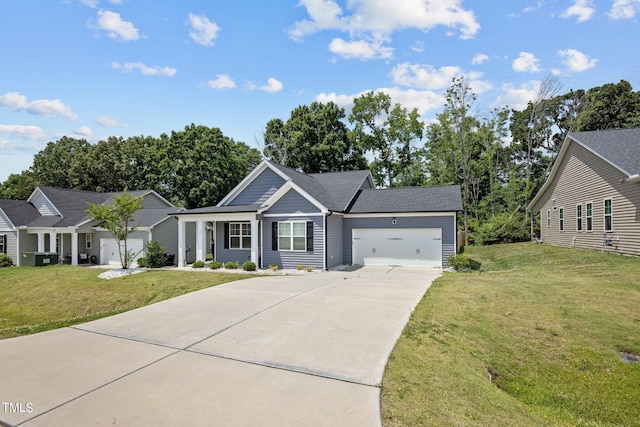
[[4, 244], [309, 235], [274, 236], [226, 235]]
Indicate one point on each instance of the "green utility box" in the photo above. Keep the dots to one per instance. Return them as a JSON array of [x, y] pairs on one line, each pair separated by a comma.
[[38, 259]]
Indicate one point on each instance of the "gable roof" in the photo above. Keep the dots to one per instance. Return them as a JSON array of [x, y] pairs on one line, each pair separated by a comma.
[[447, 198], [19, 212], [618, 147]]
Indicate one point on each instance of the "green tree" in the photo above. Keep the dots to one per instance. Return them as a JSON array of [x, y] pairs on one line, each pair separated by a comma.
[[314, 139], [386, 131], [19, 186], [610, 106], [118, 219], [63, 163]]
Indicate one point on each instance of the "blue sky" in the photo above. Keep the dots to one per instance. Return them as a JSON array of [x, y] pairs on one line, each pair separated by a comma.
[[96, 68]]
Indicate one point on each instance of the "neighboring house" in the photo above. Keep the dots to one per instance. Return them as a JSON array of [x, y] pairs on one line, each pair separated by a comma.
[[278, 216], [591, 198], [55, 220]]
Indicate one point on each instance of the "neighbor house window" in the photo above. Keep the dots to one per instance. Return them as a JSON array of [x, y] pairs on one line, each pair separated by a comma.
[[579, 217], [292, 236], [608, 215], [87, 241], [548, 218], [239, 235], [589, 216], [3, 243], [561, 219]]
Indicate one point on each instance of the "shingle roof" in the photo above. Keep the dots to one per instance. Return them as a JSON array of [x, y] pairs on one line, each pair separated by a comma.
[[219, 209], [408, 199], [72, 204], [621, 147], [19, 212]]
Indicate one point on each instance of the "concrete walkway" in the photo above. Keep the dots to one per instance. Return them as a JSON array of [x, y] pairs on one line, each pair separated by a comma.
[[271, 351]]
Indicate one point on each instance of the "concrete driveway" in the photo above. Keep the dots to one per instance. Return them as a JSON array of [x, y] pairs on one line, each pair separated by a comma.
[[281, 350]]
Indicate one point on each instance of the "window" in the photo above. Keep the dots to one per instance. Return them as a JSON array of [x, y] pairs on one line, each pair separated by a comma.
[[608, 215], [578, 217], [292, 236], [561, 219], [239, 235], [548, 218], [3, 243], [589, 216], [87, 241]]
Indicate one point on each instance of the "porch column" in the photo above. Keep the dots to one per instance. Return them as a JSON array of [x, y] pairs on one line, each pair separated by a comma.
[[74, 248], [254, 240], [52, 242], [41, 242], [201, 242], [181, 243]]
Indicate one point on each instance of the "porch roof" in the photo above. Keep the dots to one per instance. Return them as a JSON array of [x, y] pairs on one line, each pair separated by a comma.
[[220, 210]]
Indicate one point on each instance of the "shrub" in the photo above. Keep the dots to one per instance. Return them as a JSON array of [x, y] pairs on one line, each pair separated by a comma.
[[142, 262], [273, 267], [154, 257], [5, 260], [231, 265], [198, 264], [214, 265], [305, 268], [249, 266], [459, 262], [502, 228]]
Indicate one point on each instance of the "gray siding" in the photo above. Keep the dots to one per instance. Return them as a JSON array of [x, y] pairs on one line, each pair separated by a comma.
[[292, 202], [152, 201], [11, 242], [335, 247], [446, 223], [224, 255], [43, 206], [259, 190], [27, 243], [581, 178], [5, 224], [167, 234], [292, 259]]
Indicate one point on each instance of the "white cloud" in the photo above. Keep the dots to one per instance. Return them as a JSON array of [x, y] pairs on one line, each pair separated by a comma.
[[42, 107], [517, 97], [376, 20], [32, 133], [144, 69], [576, 60], [83, 131], [526, 62], [272, 86], [222, 81], [624, 9], [116, 28], [582, 9], [479, 58], [423, 100], [360, 49], [107, 121], [203, 31], [424, 76], [94, 3]]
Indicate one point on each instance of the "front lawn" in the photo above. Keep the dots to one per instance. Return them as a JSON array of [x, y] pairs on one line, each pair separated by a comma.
[[533, 339], [35, 299]]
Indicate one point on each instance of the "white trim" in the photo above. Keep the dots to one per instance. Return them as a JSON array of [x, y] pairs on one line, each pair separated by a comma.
[[561, 218], [294, 215], [587, 216], [264, 164], [292, 236], [241, 235], [581, 218], [398, 214], [224, 217], [284, 189], [604, 214], [8, 221], [33, 196]]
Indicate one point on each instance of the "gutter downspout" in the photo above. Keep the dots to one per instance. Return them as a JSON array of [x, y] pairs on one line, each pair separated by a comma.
[[326, 241]]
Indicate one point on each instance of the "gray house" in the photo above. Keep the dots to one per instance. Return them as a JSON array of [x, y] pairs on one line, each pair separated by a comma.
[[54, 220], [591, 198], [279, 216]]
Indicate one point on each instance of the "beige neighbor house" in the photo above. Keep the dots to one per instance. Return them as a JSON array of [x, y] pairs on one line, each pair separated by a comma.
[[591, 198]]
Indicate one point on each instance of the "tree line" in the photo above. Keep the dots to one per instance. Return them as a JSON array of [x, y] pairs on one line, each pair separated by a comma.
[[499, 158]]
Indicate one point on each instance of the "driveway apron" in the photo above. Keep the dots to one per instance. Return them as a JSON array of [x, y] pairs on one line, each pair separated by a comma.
[[275, 350]]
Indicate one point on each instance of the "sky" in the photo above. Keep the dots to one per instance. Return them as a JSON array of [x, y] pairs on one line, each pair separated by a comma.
[[98, 68]]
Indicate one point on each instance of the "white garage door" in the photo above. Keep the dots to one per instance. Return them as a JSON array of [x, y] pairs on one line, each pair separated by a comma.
[[406, 247], [109, 250]]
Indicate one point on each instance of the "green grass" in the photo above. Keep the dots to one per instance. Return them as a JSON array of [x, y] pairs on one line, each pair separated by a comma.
[[532, 340], [35, 299]]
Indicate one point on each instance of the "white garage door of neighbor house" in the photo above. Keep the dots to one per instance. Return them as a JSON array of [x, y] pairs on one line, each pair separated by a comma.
[[406, 247], [109, 253]]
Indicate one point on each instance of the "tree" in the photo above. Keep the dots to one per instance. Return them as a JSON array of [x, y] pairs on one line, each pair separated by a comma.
[[610, 106], [63, 163], [118, 219], [314, 139], [19, 186], [387, 132]]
